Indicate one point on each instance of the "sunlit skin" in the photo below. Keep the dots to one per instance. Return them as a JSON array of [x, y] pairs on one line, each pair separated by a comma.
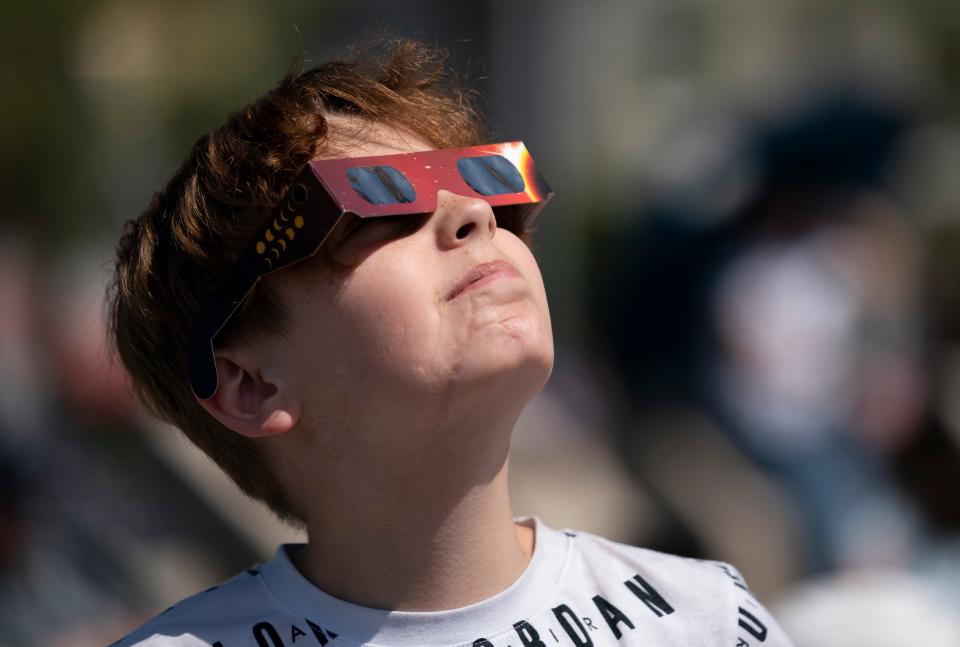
[[387, 407]]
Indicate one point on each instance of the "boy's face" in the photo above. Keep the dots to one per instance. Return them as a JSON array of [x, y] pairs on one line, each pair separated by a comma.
[[390, 344]]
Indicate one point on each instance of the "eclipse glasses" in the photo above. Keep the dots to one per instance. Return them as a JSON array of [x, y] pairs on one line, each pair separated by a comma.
[[504, 175]]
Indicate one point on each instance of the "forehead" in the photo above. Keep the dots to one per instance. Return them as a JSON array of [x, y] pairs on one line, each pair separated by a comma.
[[350, 136]]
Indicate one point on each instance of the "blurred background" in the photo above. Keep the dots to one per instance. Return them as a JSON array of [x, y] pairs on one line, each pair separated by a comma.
[[751, 260]]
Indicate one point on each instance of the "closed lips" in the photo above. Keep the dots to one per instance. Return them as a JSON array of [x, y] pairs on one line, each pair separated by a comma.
[[479, 272]]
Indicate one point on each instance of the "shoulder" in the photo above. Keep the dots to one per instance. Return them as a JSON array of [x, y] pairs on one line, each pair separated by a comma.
[[706, 598], [599, 557], [205, 618]]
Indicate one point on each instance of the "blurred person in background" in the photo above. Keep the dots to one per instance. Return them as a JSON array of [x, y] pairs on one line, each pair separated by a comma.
[[817, 367], [793, 322], [94, 530], [915, 601], [55, 574]]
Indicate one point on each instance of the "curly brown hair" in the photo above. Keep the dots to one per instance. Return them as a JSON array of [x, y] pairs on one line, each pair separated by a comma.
[[173, 256]]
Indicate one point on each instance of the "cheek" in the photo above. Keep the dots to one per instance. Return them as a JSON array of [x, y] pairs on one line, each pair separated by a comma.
[[523, 258], [383, 320]]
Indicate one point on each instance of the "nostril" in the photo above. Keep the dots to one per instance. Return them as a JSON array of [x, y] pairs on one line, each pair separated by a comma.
[[464, 231]]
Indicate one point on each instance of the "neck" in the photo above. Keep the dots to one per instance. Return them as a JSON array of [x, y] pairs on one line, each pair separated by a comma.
[[437, 537]]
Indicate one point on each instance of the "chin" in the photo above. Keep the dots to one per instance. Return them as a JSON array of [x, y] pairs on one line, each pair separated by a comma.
[[522, 359]]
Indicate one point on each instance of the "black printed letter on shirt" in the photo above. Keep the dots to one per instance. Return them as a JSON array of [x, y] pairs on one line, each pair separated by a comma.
[[319, 633], [649, 596], [567, 620], [262, 630], [528, 635], [756, 628], [612, 615]]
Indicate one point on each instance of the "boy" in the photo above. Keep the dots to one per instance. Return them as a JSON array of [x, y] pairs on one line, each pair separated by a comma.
[[368, 389]]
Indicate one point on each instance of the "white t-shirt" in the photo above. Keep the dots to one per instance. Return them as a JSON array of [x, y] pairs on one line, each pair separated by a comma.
[[578, 590]]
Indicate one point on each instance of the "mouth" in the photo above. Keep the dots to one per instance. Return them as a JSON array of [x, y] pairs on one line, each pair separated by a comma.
[[484, 272]]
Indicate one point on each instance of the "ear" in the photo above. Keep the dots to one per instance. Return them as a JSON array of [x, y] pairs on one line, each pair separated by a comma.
[[248, 403]]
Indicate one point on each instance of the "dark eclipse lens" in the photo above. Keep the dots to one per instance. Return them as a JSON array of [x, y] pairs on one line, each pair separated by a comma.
[[491, 175], [381, 185]]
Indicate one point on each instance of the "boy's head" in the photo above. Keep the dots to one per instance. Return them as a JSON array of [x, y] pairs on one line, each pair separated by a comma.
[[363, 338]]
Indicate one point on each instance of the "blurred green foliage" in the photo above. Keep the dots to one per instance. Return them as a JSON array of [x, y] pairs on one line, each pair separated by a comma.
[[104, 99]]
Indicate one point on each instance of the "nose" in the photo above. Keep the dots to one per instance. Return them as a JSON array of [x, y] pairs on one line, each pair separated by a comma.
[[459, 219]]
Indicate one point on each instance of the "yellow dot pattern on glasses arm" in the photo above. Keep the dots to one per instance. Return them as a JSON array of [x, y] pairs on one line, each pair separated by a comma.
[[277, 244]]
